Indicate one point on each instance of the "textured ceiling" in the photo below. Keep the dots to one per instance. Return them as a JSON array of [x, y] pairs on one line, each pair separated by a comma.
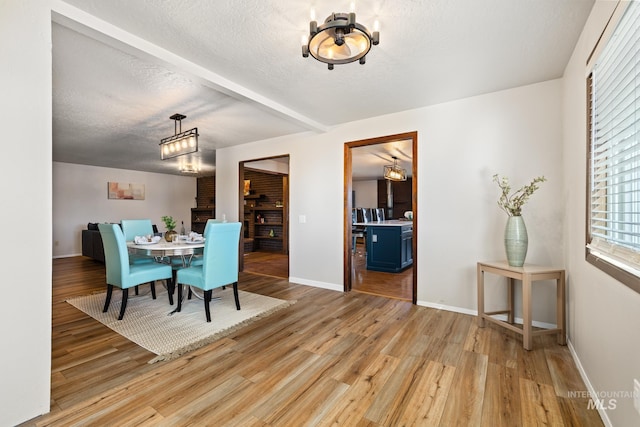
[[234, 68]]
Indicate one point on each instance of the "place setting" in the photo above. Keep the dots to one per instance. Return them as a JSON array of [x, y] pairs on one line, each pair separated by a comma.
[[146, 240]]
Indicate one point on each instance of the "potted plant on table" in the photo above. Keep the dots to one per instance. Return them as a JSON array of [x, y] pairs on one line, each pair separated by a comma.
[[170, 225], [516, 240]]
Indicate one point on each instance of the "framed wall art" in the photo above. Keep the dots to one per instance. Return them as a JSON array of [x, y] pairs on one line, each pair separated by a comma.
[[125, 191]]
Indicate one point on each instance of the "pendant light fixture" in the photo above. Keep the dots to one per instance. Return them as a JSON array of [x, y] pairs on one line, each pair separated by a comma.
[[180, 143], [394, 172]]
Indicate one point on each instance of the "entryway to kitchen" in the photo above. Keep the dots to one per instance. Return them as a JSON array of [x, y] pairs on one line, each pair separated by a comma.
[[380, 214]]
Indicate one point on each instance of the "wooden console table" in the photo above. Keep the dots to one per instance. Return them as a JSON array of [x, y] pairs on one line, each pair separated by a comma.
[[528, 274]]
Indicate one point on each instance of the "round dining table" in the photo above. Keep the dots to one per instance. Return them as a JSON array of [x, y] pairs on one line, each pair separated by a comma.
[[163, 251], [184, 249]]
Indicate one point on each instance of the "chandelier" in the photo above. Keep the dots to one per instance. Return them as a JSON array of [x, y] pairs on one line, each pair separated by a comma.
[[339, 40], [394, 172], [180, 143]]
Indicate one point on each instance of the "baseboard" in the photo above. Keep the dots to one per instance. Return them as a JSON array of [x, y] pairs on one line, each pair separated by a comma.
[[447, 308], [323, 285], [66, 256], [592, 391], [470, 312]]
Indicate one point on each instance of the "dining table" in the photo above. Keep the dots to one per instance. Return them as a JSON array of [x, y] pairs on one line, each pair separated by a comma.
[[164, 252]]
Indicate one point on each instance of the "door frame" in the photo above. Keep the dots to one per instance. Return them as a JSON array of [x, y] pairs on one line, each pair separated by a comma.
[[348, 188], [285, 213]]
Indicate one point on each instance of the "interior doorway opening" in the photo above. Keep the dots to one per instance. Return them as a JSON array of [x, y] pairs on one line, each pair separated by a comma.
[[264, 213], [360, 275]]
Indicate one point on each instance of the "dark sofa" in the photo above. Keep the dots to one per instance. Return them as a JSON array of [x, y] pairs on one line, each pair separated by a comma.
[[92, 243]]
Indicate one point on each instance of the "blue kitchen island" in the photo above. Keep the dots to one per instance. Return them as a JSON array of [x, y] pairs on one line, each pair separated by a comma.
[[389, 245]]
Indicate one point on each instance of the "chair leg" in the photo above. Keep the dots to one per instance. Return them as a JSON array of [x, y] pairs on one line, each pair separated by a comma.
[[136, 290], [190, 293], [179, 286], [170, 289], [107, 300], [207, 300], [153, 289], [235, 295], [125, 296]]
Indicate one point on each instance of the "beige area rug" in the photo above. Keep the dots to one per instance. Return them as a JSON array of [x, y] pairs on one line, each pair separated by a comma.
[[150, 324]]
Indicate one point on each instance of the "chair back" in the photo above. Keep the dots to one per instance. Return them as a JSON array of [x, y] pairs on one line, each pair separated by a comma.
[[136, 227], [366, 214], [379, 214], [220, 258], [116, 256], [211, 221]]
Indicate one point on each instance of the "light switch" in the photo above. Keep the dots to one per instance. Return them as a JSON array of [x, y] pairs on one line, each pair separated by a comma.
[[374, 238], [302, 219]]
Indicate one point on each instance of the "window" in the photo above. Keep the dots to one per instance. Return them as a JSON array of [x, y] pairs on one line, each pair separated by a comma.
[[613, 240]]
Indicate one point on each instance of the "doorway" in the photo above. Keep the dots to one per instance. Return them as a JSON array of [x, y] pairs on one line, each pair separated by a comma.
[[379, 153], [264, 213]]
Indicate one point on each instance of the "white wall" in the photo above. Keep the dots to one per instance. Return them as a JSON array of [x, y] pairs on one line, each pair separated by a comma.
[[604, 315], [366, 194], [80, 196], [460, 146], [25, 108]]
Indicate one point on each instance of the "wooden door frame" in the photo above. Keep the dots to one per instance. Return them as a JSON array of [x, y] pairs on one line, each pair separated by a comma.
[[348, 188], [241, 167]]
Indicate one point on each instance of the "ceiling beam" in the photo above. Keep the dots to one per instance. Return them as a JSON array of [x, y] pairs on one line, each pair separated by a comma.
[[82, 22]]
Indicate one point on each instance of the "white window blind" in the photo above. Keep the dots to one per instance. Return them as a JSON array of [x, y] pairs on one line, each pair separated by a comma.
[[614, 220]]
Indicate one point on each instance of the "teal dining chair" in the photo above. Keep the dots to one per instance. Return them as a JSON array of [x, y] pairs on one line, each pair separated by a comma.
[[177, 263], [137, 227], [121, 273], [219, 264], [198, 259]]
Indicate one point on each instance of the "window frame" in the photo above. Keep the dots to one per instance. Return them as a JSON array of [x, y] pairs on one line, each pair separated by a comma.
[[600, 261]]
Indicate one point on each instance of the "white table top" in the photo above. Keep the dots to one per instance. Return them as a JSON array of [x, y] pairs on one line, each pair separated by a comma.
[[164, 248]]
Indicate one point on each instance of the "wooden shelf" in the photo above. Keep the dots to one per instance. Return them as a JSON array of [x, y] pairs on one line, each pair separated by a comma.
[[266, 208], [199, 217], [267, 191]]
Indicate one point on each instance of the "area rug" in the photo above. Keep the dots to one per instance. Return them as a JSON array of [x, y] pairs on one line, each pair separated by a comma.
[[151, 324]]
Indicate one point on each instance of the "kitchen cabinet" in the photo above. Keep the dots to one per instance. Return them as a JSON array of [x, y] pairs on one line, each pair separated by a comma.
[[389, 245]]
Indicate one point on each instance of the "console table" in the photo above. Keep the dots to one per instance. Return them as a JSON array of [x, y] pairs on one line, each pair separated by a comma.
[[528, 274]]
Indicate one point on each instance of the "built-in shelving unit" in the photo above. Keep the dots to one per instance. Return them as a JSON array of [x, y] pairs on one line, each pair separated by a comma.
[[199, 217], [265, 213], [205, 201]]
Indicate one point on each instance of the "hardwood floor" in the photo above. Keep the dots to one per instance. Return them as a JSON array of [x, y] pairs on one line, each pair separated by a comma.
[[330, 359], [274, 264], [390, 285]]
